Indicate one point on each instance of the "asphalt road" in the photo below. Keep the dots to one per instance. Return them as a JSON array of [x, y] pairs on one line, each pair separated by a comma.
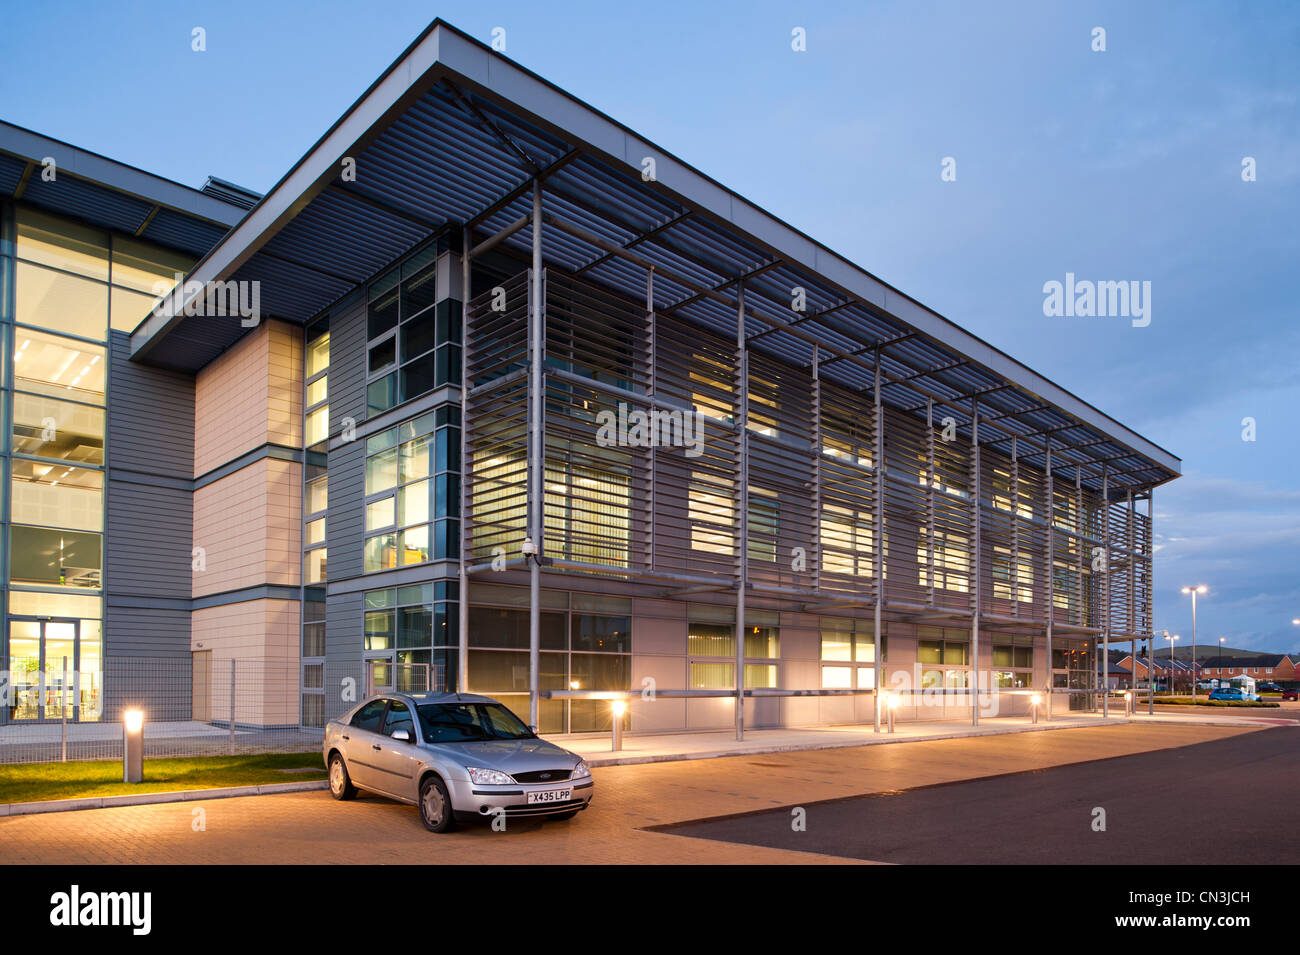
[[1232, 800]]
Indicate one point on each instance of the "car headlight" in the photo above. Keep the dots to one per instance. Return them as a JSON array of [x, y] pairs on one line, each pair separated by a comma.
[[582, 769], [488, 777]]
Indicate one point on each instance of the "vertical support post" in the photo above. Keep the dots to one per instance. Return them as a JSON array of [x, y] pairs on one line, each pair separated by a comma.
[[878, 538], [742, 502], [537, 454], [816, 470], [1103, 667], [976, 575], [1014, 570], [931, 464], [1050, 520], [63, 711], [652, 364], [232, 704], [1150, 598], [466, 470]]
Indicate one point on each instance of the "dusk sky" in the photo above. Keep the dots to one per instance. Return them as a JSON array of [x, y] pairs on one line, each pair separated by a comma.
[[1117, 165]]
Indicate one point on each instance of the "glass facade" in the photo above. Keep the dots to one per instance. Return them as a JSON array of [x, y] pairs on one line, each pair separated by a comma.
[[63, 289]]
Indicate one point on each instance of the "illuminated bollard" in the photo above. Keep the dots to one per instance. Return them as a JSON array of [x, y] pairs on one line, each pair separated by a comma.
[[895, 700], [1128, 704], [1034, 702], [618, 708], [132, 746]]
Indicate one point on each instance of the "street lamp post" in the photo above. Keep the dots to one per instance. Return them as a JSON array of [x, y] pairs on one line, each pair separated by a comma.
[[1171, 638], [1198, 589], [1218, 682]]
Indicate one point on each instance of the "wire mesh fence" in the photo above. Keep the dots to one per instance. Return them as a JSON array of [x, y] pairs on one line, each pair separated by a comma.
[[197, 705]]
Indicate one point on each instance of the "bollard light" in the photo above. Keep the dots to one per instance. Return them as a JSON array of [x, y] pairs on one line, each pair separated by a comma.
[[617, 708], [893, 701], [1128, 703], [1034, 702], [133, 746]]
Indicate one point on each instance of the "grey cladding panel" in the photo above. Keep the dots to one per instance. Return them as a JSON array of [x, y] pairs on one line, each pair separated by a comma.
[[150, 415]]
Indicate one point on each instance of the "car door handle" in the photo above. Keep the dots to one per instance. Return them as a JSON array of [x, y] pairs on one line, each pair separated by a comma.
[[376, 747], [346, 736]]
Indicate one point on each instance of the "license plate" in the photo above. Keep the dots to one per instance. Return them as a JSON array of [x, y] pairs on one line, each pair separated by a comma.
[[549, 795]]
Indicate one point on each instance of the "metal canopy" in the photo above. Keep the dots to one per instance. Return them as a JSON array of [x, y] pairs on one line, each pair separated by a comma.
[[455, 134], [109, 194]]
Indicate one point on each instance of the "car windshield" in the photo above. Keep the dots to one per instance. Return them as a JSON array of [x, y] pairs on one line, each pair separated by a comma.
[[464, 722]]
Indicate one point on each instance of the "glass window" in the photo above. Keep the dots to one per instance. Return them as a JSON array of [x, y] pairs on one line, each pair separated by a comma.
[[380, 552], [837, 678], [317, 425], [317, 494], [318, 390], [379, 630], [711, 640], [713, 676], [61, 243], [314, 566], [60, 302], [127, 309], [381, 471], [147, 268], [368, 717], [601, 634], [57, 558], [318, 355], [57, 495], [414, 503], [49, 428], [399, 718], [379, 514], [60, 367]]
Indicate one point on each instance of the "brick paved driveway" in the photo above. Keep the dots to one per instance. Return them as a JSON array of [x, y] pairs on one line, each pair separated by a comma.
[[312, 828]]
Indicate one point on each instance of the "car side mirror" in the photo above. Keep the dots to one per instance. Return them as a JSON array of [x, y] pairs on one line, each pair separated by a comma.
[[402, 736]]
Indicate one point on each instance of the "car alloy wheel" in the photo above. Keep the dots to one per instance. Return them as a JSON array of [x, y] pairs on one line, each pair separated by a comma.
[[435, 806], [340, 782]]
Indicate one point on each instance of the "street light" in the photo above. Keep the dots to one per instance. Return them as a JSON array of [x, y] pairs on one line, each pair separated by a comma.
[[617, 709], [1197, 589], [1172, 638], [1218, 682], [132, 746]]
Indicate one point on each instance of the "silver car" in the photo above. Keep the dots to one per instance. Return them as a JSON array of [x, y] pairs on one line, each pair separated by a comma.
[[456, 756]]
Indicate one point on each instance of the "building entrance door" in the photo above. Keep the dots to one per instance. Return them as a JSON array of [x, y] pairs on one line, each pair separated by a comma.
[[43, 687]]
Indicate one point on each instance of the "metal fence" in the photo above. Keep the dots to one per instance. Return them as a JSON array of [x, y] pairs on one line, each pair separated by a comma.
[[196, 705]]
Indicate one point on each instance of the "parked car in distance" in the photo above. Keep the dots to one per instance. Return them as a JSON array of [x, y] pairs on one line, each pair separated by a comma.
[[1268, 688], [1290, 693], [1233, 693], [455, 756]]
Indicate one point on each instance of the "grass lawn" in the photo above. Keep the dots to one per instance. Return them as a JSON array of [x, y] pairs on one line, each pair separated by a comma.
[[32, 782]]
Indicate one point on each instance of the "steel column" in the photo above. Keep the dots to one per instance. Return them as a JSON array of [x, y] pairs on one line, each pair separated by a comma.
[[1051, 575], [1151, 593], [537, 464], [878, 534], [976, 594], [466, 468], [1103, 668], [742, 502], [816, 470]]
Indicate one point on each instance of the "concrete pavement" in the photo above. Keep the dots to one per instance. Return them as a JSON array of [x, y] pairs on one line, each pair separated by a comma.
[[312, 828]]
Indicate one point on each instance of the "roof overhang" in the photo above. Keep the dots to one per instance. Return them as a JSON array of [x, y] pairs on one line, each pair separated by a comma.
[[109, 194], [453, 133]]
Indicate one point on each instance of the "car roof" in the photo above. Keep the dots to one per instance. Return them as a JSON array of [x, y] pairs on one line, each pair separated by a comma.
[[443, 697]]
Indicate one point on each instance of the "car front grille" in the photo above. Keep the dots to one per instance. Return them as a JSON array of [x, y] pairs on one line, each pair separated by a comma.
[[541, 809], [542, 776]]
